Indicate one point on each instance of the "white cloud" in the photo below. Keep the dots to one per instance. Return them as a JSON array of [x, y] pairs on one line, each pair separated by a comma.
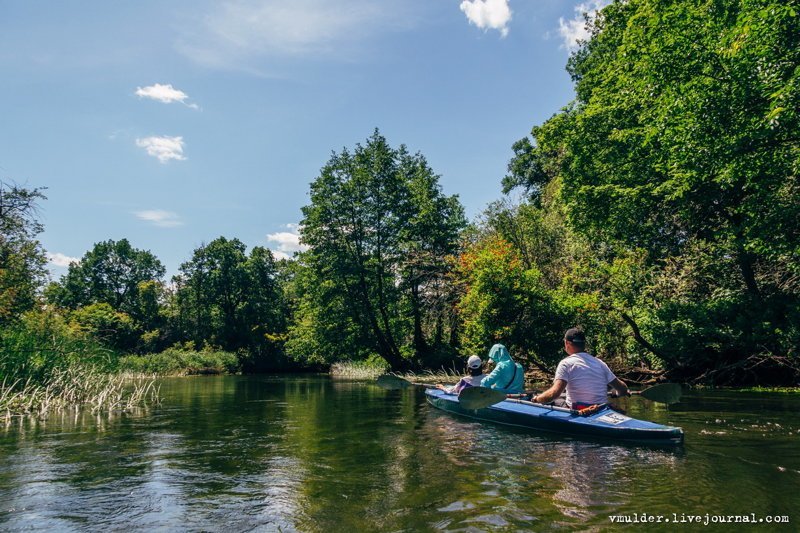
[[288, 242], [488, 14], [277, 254], [165, 94], [60, 260], [237, 33], [163, 148], [574, 31], [160, 218]]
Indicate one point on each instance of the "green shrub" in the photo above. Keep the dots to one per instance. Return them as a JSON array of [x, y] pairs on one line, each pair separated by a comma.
[[46, 365], [41, 342], [179, 361], [113, 328]]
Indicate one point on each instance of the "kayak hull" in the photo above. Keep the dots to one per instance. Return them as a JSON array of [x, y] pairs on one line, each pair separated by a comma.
[[605, 424]]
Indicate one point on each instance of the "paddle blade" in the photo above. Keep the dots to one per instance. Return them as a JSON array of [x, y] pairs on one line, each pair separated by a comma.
[[479, 397], [663, 393], [390, 382]]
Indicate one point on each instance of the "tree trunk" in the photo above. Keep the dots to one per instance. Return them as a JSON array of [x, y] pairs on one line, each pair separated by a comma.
[[746, 262], [420, 346], [386, 346], [637, 336]]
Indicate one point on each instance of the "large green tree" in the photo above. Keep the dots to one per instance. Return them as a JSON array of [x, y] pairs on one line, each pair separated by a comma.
[[22, 259], [114, 273], [229, 299], [380, 228], [682, 146]]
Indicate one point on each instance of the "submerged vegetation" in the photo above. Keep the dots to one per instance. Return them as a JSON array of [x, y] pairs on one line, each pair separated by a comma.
[[660, 213]]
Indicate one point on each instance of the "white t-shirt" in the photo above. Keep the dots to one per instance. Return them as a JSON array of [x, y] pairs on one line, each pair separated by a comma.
[[587, 378]]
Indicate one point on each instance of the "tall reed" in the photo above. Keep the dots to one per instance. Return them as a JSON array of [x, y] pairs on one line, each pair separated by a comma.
[[358, 369], [46, 366]]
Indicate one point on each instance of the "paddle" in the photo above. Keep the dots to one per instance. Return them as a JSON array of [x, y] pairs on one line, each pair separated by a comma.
[[480, 397], [392, 382], [470, 398]]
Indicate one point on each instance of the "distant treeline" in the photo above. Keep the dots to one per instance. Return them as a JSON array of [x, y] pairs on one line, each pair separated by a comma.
[[660, 212]]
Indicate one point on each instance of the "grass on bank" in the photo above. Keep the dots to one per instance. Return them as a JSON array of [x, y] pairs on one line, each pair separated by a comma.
[[180, 362], [369, 369], [76, 387], [45, 366], [374, 367]]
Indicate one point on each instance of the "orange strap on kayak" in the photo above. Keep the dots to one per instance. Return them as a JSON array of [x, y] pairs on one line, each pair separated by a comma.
[[590, 410]]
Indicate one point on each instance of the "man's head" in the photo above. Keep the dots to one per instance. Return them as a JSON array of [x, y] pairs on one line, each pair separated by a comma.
[[574, 340]]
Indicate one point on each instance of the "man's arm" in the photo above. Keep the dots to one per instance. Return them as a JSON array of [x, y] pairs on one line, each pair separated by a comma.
[[619, 386], [550, 394]]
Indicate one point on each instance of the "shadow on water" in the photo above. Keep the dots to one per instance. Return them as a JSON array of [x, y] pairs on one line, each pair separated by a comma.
[[308, 453]]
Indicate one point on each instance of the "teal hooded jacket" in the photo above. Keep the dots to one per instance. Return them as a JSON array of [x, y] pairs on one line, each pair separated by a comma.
[[507, 376]]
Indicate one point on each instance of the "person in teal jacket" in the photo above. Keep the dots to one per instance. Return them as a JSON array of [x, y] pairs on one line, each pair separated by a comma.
[[507, 376]]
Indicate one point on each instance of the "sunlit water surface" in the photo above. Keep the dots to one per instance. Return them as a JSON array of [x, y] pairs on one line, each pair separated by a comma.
[[310, 453]]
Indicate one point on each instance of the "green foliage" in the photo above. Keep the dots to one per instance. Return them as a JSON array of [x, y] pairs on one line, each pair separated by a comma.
[[113, 328], [116, 274], [41, 344], [662, 216], [179, 361], [506, 301], [46, 365], [677, 164], [672, 140], [380, 230], [22, 259], [322, 329], [226, 298]]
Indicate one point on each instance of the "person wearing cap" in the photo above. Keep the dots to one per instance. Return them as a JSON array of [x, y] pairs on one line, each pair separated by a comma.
[[473, 379], [506, 376], [585, 377]]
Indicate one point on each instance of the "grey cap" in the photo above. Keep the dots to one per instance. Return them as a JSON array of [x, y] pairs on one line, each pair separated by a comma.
[[474, 361]]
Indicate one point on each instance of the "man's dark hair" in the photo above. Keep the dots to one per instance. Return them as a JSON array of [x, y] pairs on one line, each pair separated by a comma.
[[576, 336]]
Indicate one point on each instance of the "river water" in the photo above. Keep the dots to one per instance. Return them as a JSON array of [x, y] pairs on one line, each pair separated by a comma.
[[311, 453]]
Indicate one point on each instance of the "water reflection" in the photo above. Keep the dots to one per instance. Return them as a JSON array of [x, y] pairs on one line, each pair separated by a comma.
[[536, 479], [310, 454]]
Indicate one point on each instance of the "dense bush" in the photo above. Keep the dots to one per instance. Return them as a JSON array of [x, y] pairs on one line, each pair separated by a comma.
[[47, 365], [178, 361]]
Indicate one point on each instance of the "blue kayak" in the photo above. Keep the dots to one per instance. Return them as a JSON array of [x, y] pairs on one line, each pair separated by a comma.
[[605, 423]]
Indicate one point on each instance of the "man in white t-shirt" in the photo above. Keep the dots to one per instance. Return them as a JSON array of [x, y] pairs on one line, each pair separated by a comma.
[[585, 377]]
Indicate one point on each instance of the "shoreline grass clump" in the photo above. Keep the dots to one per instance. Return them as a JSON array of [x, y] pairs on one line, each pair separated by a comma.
[[374, 367], [442, 375], [47, 366], [369, 369]]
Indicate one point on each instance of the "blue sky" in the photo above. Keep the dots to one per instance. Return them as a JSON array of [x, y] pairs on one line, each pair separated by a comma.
[[172, 123]]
